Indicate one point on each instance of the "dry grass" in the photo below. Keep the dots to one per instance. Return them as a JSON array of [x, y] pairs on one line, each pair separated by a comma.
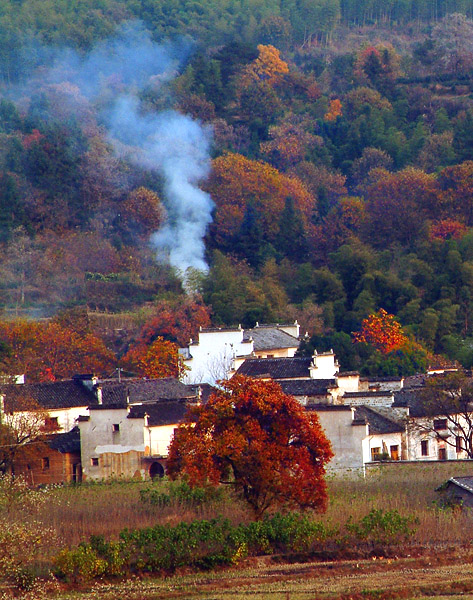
[[75, 513], [441, 554], [409, 489]]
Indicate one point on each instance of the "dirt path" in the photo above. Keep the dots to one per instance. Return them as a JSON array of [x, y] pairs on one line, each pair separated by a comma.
[[427, 576]]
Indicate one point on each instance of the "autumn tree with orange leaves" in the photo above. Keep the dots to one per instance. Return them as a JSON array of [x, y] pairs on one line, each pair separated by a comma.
[[176, 321], [50, 351], [158, 359], [334, 110], [256, 438], [237, 181], [382, 331], [268, 67]]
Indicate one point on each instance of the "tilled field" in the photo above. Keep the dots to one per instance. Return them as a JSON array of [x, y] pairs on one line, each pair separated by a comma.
[[446, 573]]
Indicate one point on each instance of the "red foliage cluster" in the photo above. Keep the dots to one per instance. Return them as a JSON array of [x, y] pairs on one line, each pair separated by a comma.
[[447, 229], [158, 359], [382, 331], [176, 322], [262, 441], [49, 351], [33, 138]]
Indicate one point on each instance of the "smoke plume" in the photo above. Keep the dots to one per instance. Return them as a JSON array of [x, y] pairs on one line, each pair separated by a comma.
[[112, 75]]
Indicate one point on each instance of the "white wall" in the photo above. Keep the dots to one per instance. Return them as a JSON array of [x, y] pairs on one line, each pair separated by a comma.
[[324, 366], [415, 443], [348, 383], [157, 439], [346, 439], [213, 355], [98, 437], [377, 441]]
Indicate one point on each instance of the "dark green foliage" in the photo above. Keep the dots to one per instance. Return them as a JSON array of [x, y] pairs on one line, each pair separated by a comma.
[[406, 361], [210, 543], [291, 241], [180, 492], [463, 136], [60, 178], [250, 241], [10, 120], [348, 354], [12, 211]]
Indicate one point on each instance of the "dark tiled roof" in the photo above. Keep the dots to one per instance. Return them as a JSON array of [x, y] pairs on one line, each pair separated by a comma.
[[328, 407], [66, 442], [144, 390], [116, 406], [368, 394], [270, 338], [51, 395], [161, 413], [414, 381], [74, 393], [114, 393], [307, 387], [203, 391], [411, 399], [276, 368], [379, 423], [383, 379], [418, 407], [464, 482]]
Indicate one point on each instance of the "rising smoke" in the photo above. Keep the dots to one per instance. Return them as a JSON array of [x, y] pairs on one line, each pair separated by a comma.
[[170, 143]]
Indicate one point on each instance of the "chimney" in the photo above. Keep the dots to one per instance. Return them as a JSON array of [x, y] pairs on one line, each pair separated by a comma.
[[98, 392], [88, 380]]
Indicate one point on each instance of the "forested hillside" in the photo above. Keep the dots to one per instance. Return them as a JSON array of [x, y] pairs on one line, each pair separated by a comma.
[[181, 163]]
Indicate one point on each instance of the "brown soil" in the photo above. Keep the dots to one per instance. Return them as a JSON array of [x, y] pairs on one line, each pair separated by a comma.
[[442, 572]]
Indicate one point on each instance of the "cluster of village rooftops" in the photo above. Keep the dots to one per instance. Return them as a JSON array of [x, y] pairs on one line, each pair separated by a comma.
[[122, 427]]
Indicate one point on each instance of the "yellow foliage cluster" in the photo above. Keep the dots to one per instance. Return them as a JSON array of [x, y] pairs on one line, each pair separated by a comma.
[[267, 67], [334, 110]]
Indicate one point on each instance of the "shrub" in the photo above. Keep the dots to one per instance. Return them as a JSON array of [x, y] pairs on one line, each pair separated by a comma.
[[183, 494], [21, 545], [200, 543], [285, 533], [204, 544], [79, 564], [382, 527]]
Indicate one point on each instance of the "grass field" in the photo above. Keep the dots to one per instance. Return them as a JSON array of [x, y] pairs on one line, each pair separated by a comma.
[[75, 513], [437, 558]]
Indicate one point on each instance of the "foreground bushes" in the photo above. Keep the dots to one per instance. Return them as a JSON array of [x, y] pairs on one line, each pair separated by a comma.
[[24, 541], [205, 544]]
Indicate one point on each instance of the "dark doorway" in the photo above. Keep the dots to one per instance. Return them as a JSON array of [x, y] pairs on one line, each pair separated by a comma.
[[156, 470], [76, 472]]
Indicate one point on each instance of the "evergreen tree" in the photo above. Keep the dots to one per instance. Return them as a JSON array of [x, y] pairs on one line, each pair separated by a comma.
[[292, 240]]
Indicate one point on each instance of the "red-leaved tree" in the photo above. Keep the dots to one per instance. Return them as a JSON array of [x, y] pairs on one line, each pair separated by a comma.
[[159, 359], [382, 331], [253, 436]]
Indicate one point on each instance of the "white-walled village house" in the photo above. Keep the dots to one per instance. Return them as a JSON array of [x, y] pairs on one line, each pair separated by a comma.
[[218, 352]]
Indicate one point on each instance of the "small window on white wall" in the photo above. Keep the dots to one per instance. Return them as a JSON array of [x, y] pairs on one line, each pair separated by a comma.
[[116, 427], [375, 453], [94, 461], [424, 448]]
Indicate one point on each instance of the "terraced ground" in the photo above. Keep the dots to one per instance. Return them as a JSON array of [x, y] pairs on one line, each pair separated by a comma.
[[445, 573]]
